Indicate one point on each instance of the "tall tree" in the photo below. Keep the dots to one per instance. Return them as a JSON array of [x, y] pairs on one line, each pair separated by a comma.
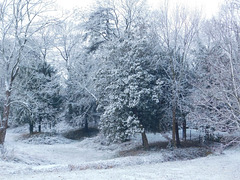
[[128, 86], [216, 99], [176, 31], [129, 91], [80, 102], [19, 22]]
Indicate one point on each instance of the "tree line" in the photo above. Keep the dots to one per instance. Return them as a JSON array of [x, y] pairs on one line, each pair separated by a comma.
[[121, 66]]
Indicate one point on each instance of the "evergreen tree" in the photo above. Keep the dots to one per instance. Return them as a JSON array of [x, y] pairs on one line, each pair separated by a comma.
[[130, 90], [38, 96]]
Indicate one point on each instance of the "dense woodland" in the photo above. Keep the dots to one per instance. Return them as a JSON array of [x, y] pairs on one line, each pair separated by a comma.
[[121, 67]]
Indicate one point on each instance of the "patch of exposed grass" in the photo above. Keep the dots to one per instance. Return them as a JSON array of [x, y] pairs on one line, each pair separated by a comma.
[[81, 133], [163, 145]]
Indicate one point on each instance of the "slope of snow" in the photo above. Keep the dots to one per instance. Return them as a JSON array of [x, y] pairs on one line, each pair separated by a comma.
[[209, 168], [88, 159]]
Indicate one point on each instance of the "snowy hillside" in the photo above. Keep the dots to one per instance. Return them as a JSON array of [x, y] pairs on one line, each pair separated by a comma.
[[88, 159]]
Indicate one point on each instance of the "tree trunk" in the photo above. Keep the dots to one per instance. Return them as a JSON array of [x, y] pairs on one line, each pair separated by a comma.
[[184, 130], [31, 127], [2, 135], [174, 126], [145, 140], [6, 111], [39, 128], [178, 144], [40, 125], [86, 124]]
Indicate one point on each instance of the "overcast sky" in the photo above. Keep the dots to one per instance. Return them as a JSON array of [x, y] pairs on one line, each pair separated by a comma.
[[209, 7]]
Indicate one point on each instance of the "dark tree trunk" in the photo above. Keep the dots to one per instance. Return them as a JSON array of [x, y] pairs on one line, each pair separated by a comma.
[[40, 125], [174, 126], [178, 144], [6, 111], [31, 127], [2, 135], [184, 130], [86, 124], [145, 140]]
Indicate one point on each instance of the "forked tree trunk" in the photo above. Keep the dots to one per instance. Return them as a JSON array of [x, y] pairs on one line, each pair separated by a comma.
[[145, 140], [6, 111]]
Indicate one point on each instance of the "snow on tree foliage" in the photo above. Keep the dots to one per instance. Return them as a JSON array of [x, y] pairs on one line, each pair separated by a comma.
[[126, 69], [80, 104], [129, 90], [118, 124], [38, 100], [216, 105], [20, 23]]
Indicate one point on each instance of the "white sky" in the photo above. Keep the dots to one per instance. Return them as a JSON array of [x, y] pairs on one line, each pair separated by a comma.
[[208, 7]]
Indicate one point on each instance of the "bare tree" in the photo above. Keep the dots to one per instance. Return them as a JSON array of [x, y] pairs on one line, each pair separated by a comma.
[[176, 31], [217, 98]]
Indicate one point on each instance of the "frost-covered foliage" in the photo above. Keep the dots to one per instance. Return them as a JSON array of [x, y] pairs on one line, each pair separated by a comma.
[[217, 84], [100, 27], [20, 22], [38, 100], [127, 84], [117, 124], [129, 90], [176, 30], [139, 70], [80, 102]]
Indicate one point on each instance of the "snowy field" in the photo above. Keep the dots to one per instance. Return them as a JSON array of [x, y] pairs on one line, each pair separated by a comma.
[[59, 158]]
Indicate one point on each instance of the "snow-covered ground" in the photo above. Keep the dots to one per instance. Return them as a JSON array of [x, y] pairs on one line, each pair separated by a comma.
[[60, 158]]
